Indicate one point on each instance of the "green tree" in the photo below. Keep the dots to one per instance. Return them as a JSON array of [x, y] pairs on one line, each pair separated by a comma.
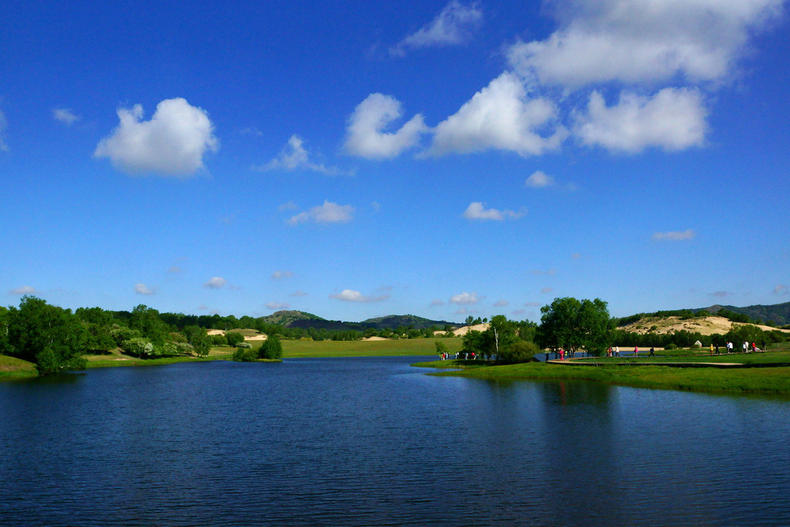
[[573, 324], [271, 348], [518, 351], [234, 338], [199, 340], [51, 337]]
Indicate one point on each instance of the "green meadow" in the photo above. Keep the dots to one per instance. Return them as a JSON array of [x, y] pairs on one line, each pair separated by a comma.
[[772, 379]]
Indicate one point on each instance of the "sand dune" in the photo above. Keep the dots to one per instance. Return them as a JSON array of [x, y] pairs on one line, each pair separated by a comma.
[[702, 325]]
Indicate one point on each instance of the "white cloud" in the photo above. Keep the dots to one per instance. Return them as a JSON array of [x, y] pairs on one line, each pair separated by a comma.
[[142, 289], [501, 303], [675, 236], [65, 116], [281, 275], [477, 211], [464, 299], [781, 289], [539, 179], [500, 117], [720, 294], [215, 282], [290, 205], [673, 119], [546, 290], [349, 295], [546, 272], [295, 157], [365, 136], [274, 306], [531, 304], [329, 212], [3, 126], [298, 293], [452, 26], [173, 142], [635, 41], [23, 290], [436, 302]]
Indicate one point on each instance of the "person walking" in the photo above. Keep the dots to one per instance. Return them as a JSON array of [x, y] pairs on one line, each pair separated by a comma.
[[636, 352], [652, 352]]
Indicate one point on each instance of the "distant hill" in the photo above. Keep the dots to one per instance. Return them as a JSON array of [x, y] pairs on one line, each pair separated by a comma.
[[777, 313], [287, 318], [398, 321], [300, 319]]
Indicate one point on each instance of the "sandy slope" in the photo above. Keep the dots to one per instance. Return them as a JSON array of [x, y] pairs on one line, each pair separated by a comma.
[[703, 325]]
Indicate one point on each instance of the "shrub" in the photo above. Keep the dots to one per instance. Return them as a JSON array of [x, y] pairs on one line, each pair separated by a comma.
[[244, 355], [518, 351], [271, 348], [234, 338], [138, 347]]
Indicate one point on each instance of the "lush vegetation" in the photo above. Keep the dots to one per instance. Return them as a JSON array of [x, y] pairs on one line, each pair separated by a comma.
[[758, 381]]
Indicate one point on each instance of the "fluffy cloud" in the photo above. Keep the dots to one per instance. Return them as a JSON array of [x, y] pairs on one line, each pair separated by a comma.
[[349, 295], [673, 119], [215, 282], [452, 26], [142, 289], [298, 293], [173, 142], [274, 306], [500, 117], [23, 290], [539, 179], [281, 275], [436, 302], [501, 303], [329, 212], [65, 116], [365, 136], [295, 157], [635, 41], [477, 211], [465, 299], [546, 290], [674, 236], [781, 289]]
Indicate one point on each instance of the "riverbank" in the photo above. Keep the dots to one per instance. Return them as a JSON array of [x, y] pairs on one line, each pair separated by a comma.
[[773, 381]]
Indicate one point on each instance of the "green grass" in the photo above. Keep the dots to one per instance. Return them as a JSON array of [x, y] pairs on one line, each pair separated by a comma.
[[13, 368], [771, 357], [372, 348], [758, 381]]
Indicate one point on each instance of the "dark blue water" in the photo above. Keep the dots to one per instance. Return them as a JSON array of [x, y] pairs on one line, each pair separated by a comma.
[[374, 442]]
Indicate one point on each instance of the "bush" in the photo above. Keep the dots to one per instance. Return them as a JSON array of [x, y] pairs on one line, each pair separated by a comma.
[[271, 348], [138, 347], [670, 346], [234, 338], [244, 355], [519, 351], [218, 340], [441, 348]]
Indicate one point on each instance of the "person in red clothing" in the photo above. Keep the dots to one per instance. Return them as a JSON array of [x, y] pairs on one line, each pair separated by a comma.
[[636, 351], [562, 354]]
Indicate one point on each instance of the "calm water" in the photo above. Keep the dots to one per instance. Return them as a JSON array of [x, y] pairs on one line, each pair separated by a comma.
[[373, 441]]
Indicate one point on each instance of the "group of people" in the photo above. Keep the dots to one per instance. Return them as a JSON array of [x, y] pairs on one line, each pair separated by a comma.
[[614, 351], [745, 347], [459, 355]]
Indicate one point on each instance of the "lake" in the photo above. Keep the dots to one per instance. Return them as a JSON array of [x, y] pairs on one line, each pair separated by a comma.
[[373, 441]]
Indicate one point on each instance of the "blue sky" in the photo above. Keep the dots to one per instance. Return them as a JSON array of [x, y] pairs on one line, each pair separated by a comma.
[[355, 159]]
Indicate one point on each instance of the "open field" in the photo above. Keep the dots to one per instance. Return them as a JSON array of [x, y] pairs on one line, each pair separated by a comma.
[[373, 348], [773, 381]]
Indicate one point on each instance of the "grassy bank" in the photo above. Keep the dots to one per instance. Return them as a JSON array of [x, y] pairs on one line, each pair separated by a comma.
[[13, 368], [759, 381], [366, 348]]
